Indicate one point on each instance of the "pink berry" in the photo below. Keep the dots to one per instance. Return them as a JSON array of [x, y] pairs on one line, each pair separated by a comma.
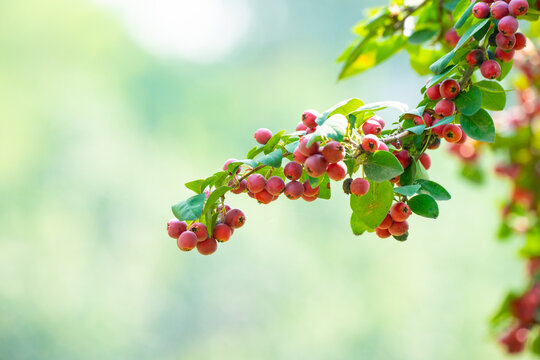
[[264, 197], [449, 89], [222, 232], [370, 143], [499, 9], [505, 42], [400, 212], [445, 108], [275, 185], [359, 187], [298, 156], [226, 165], [452, 133], [235, 218], [187, 241], [292, 171], [452, 37], [521, 41], [294, 190], [176, 227], [309, 117], [403, 157], [508, 25], [238, 187], [399, 228], [337, 171], [481, 10], [256, 183], [309, 190], [490, 69], [333, 152], [504, 55], [301, 127], [382, 233], [434, 93], [307, 150], [382, 146], [200, 230], [378, 119], [372, 127], [387, 222], [262, 136], [207, 247], [315, 165], [425, 160], [518, 7]]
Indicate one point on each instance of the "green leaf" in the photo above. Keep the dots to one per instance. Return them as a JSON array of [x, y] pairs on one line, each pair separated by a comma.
[[190, 209], [381, 105], [479, 126], [464, 17], [424, 205], [254, 152], [418, 129], [324, 188], [196, 185], [343, 108], [443, 121], [333, 128], [408, 190], [493, 95], [468, 103], [443, 75], [433, 189], [274, 140], [381, 166], [291, 147], [214, 196], [421, 36], [409, 174], [505, 69], [357, 225], [273, 159], [371, 209]]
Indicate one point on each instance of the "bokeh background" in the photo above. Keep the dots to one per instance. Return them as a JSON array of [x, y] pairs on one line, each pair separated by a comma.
[[108, 107]]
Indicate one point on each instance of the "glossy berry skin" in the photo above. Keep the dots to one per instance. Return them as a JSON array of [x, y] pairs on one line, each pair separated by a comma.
[[426, 119], [499, 9], [222, 232], [264, 197], [437, 130], [176, 227], [333, 152], [449, 89], [514, 340], [301, 127], [207, 247], [452, 133], [445, 108], [307, 150], [187, 241], [400, 212], [309, 117], [359, 187], [518, 7], [226, 165], [292, 171], [378, 119], [310, 198], [521, 41], [275, 185], [372, 127], [434, 93], [425, 160], [200, 230], [475, 57], [387, 222], [235, 218], [403, 157], [508, 25], [481, 10], [337, 171], [490, 69], [316, 165], [299, 158], [505, 42], [309, 190], [451, 37], [504, 55], [238, 187], [382, 233], [399, 228], [262, 136], [382, 146], [256, 183], [294, 190], [370, 143]]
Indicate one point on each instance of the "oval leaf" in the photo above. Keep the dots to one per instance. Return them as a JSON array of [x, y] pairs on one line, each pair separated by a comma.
[[479, 126], [382, 165], [190, 209], [433, 189], [469, 102], [424, 205], [493, 95], [372, 208]]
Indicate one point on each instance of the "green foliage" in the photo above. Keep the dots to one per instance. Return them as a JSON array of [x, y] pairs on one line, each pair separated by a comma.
[[479, 126], [369, 210], [190, 209], [493, 95], [424, 205], [469, 102], [381, 166]]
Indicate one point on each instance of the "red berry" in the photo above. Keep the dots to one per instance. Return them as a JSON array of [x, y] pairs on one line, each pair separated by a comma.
[[481, 10], [220, 208], [309, 190], [176, 227], [235, 218], [434, 92], [370, 143], [309, 117], [298, 156], [515, 339], [307, 150], [337, 171], [399, 228], [508, 25], [437, 130], [359, 187], [310, 130], [238, 187], [264, 197], [435, 142], [499, 9], [256, 183], [200, 230], [310, 198], [207, 247], [262, 136], [275, 185], [425, 160], [382, 233], [400, 212], [449, 89], [315, 165], [378, 119], [504, 55], [226, 165], [333, 152], [292, 171], [301, 127], [382, 146], [505, 42], [490, 69], [403, 157], [222, 232], [372, 127], [187, 241], [445, 108], [521, 41], [294, 190], [463, 138], [452, 133], [518, 7], [387, 222], [451, 37], [475, 57]]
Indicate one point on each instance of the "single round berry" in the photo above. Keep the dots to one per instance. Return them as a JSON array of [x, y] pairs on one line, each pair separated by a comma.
[[294, 190], [309, 190], [463, 138], [337, 171], [521, 41], [490, 69], [176, 227], [445, 108], [238, 187], [264, 197], [451, 37], [499, 9], [435, 143], [315, 165], [437, 130], [307, 150], [372, 127], [434, 92], [505, 42], [310, 198], [387, 222], [333, 152], [309, 117], [298, 156], [262, 136], [449, 89], [301, 127], [400, 212], [207, 247], [378, 119], [504, 55], [359, 187], [292, 171], [226, 165], [370, 143], [222, 232], [187, 241], [382, 233], [200, 230], [275, 185], [235, 218], [425, 160], [481, 10], [403, 157], [399, 228], [518, 7], [256, 183], [452, 133], [508, 25]]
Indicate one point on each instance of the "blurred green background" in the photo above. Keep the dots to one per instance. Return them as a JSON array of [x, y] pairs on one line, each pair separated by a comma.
[[108, 107]]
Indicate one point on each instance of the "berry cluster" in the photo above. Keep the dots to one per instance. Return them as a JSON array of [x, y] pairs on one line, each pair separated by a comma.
[[395, 223]]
